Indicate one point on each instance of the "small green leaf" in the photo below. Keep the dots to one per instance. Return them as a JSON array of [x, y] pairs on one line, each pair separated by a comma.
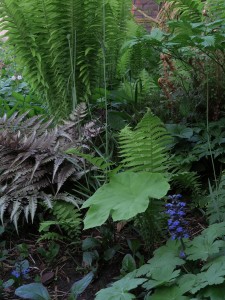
[[128, 264], [79, 286], [90, 243]]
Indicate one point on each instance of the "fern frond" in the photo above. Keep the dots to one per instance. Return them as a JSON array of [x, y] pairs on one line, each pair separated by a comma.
[[37, 164], [187, 181], [216, 202], [68, 217], [145, 148], [62, 48]]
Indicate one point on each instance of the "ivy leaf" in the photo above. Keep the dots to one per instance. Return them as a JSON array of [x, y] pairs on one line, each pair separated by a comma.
[[124, 197]]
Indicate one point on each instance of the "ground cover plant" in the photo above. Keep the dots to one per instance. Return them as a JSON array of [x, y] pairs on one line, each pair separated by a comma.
[[112, 151]]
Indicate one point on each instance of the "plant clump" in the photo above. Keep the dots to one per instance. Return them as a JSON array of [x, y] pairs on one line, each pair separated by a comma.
[[34, 165]]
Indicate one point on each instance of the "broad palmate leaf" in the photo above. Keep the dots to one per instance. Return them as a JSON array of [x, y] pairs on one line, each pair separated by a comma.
[[120, 289], [126, 195], [206, 245]]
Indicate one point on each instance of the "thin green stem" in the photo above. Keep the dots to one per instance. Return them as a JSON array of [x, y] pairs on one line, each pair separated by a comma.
[[105, 85]]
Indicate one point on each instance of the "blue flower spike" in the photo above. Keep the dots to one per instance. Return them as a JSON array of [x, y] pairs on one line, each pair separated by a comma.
[[176, 222]]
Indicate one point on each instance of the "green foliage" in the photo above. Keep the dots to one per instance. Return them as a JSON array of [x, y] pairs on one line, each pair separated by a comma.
[[126, 195], [79, 286], [37, 291], [206, 245], [50, 253], [120, 289], [98, 162], [165, 274], [190, 10], [34, 291], [68, 217], [62, 49], [189, 181], [216, 202], [145, 147], [14, 92]]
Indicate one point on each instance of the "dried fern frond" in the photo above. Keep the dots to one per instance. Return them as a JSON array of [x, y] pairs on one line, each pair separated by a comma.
[[34, 163]]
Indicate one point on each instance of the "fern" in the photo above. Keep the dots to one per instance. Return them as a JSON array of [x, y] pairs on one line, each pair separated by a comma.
[[145, 148], [68, 218], [216, 202], [187, 9], [215, 9], [34, 164], [187, 181], [61, 45]]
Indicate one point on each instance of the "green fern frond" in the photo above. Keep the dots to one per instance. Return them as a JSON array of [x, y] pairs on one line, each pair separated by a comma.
[[61, 48], [98, 162], [187, 181], [50, 236], [216, 202], [145, 148], [68, 217], [148, 85]]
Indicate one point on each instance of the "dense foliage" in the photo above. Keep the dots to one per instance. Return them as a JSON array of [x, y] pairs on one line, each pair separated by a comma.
[[133, 181]]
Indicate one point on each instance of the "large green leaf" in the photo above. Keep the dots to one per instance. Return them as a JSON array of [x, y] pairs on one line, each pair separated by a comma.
[[205, 245], [120, 289], [169, 293], [215, 292], [32, 291], [126, 195]]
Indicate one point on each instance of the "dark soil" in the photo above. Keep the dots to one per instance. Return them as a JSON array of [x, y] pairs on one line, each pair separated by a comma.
[[59, 275]]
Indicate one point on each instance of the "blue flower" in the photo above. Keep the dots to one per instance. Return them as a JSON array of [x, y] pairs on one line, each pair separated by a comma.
[[15, 273], [171, 227], [181, 213], [25, 271], [176, 222], [180, 229], [173, 237], [170, 221], [182, 254], [170, 212]]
